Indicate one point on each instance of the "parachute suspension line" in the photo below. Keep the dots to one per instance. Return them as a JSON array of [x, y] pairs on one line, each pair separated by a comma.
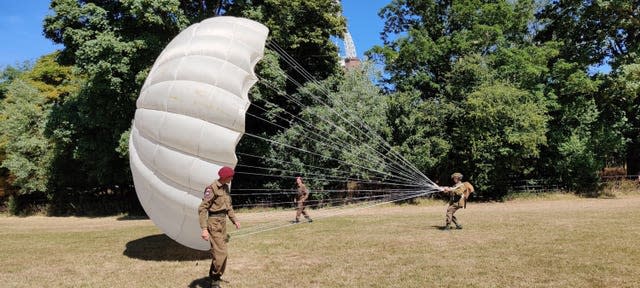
[[294, 174], [328, 210], [293, 63], [339, 144], [270, 226], [393, 165], [293, 192], [397, 171], [326, 142], [324, 201], [282, 161], [331, 179], [309, 77], [315, 153], [333, 146], [325, 211], [291, 79]]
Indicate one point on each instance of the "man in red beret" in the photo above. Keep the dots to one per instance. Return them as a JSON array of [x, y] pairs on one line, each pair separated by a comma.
[[213, 212]]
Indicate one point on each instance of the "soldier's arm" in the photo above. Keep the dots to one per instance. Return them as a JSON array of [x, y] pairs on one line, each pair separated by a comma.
[[232, 215], [306, 194], [203, 213], [203, 208], [459, 190]]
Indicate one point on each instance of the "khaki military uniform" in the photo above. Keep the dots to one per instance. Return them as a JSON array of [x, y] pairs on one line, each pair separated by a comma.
[[303, 195], [456, 201], [213, 211]]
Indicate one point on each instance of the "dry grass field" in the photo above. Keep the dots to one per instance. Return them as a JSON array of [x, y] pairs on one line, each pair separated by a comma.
[[559, 242]]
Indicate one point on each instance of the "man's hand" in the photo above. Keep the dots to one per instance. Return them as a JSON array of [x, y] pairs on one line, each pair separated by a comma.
[[237, 225], [205, 234]]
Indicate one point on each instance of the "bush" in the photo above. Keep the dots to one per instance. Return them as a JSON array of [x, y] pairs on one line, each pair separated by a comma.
[[12, 205], [619, 187]]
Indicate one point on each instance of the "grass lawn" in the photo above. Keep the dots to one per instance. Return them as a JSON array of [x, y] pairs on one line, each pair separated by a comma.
[[564, 242]]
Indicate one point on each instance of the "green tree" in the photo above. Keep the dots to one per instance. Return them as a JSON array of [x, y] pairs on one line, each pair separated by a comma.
[[114, 43], [461, 58], [27, 152], [502, 132], [28, 155], [340, 137], [598, 34], [424, 39]]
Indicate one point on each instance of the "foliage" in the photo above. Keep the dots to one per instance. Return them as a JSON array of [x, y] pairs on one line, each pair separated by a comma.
[[477, 83], [424, 39], [339, 137], [594, 35], [115, 43], [502, 131], [53, 81], [28, 156], [417, 129], [10, 73], [499, 90]]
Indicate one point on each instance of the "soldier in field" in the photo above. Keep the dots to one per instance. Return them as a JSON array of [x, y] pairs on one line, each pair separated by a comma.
[[301, 197], [213, 212], [458, 195]]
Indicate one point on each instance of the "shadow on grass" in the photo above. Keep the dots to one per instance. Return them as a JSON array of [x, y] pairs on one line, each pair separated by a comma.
[[162, 248], [439, 227], [200, 283], [132, 217]]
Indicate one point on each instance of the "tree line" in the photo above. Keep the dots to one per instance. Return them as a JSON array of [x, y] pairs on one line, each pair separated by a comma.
[[498, 90]]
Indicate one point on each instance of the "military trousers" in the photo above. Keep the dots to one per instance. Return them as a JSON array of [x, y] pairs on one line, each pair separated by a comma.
[[451, 210], [217, 227], [301, 210]]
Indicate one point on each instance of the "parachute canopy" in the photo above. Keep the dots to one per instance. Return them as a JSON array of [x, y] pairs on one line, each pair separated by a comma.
[[190, 116]]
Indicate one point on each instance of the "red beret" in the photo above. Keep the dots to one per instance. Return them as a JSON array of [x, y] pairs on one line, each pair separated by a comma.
[[225, 172]]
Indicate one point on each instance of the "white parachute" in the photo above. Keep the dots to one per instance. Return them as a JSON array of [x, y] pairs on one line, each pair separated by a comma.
[[190, 116]]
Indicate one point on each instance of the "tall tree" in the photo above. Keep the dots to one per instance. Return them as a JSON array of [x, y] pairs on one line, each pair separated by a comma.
[[114, 43], [464, 57], [424, 39], [27, 151], [596, 35], [25, 112], [340, 136]]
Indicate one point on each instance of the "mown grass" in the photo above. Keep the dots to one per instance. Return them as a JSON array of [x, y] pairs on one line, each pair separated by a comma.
[[574, 242]]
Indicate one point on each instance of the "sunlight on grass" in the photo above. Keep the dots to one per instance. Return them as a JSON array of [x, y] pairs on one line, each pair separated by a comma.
[[556, 242]]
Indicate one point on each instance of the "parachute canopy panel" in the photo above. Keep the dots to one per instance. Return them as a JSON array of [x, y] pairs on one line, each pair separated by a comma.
[[190, 116]]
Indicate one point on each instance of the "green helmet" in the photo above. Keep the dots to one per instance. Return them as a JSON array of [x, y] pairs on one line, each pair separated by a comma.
[[457, 174]]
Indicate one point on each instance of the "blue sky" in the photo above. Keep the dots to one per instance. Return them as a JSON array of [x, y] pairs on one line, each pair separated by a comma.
[[22, 38]]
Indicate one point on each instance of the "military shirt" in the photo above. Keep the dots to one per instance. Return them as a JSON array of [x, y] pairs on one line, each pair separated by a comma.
[[457, 193], [458, 189], [303, 193], [216, 200]]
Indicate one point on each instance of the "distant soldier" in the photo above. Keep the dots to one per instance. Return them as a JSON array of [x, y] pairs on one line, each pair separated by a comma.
[[458, 195], [213, 212], [303, 194]]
